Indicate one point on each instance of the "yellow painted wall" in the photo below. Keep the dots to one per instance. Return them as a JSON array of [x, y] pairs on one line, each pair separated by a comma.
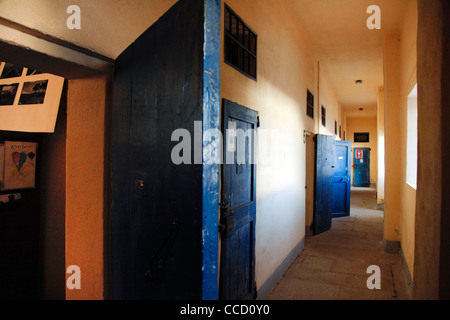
[[85, 158], [365, 125], [400, 79], [408, 79], [393, 138], [286, 69], [381, 154]]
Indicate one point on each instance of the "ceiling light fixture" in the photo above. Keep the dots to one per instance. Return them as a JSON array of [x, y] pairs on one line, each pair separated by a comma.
[[361, 109], [359, 82]]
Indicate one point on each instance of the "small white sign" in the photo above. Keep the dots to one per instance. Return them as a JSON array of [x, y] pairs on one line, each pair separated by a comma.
[[231, 136]]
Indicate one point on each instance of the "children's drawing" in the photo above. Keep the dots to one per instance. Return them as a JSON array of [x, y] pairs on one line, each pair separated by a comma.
[[20, 165]]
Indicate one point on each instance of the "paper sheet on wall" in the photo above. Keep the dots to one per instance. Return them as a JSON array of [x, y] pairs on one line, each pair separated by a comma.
[[30, 103], [20, 165]]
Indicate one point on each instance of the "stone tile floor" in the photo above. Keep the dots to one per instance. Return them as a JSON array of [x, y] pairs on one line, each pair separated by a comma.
[[333, 265]]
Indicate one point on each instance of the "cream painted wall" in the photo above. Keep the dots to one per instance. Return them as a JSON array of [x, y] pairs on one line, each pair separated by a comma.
[[286, 69], [343, 121], [408, 79], [330, 100], [365, 125], [393, 138]]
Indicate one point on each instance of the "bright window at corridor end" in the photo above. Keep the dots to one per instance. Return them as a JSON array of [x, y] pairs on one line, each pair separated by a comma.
[[411, 147]]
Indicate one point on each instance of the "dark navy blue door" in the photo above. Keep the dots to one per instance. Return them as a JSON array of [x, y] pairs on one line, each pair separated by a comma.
[[157, 207], [341, 180], [361, 167], [323, 190], [238, 203]]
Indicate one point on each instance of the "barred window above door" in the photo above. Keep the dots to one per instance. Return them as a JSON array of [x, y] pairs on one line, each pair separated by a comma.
[[240, 44]]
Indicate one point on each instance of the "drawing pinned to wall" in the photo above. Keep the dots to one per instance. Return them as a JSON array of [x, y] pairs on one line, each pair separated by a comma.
[[19, 165]]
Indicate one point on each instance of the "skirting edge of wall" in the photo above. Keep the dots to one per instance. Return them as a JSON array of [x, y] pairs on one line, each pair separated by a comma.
[[408, 278], [266, 288], [392, 247]]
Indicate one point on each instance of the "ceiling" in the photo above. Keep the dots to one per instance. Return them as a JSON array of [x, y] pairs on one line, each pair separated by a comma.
[[108, 27], [346, 48]]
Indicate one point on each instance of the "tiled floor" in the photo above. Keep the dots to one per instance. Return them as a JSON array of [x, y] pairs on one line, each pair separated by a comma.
[[333, 265]]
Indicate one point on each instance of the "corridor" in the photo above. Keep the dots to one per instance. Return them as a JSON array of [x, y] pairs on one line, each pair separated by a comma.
[[130, 178], [333, 265]]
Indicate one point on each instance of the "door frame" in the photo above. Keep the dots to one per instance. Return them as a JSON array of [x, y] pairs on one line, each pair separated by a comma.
[[211, 172]]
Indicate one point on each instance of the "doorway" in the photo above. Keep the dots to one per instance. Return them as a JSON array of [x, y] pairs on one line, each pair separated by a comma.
[[332, 181], [361, 167], [238, 205], [32, 222], [309, 182]]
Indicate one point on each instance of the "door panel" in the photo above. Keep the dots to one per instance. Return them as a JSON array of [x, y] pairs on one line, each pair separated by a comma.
[[361, 167], [238, 206], [341, 181], [324, 175], [156, 206]]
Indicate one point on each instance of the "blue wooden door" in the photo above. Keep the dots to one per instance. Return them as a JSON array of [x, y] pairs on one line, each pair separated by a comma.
[[156, 205], [341, 180], [361, 167], [238, 203], [323, 189]]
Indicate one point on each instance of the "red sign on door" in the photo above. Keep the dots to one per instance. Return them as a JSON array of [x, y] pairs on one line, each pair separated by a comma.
[[359, 154]]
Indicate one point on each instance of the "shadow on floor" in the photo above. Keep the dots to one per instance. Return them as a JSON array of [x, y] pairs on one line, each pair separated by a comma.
[[333, 265]]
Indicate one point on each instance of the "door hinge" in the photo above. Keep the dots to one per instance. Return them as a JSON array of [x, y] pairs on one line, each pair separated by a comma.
[[258, 123], [226, 226]]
